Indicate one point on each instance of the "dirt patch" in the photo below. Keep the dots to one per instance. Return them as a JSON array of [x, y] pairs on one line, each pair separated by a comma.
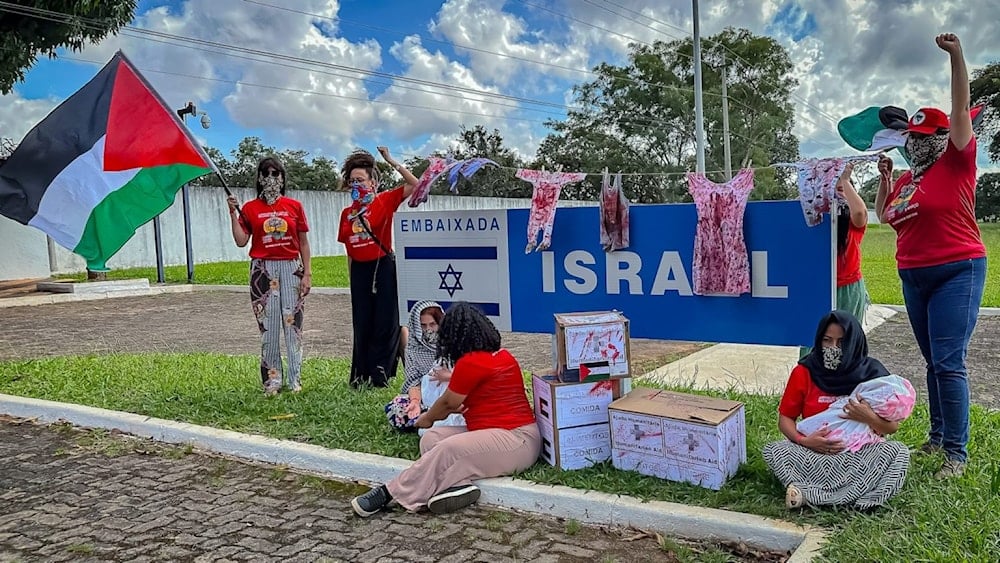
[[893, 343], [222, 322]]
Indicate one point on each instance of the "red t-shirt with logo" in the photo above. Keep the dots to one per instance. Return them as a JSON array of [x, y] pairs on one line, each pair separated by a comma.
[[802, 398], [849, 263], [359, 245], [494, 390], [274, 229], [935, 222]]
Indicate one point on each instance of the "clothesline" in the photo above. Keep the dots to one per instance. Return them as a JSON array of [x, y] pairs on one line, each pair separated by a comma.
[[673, 174]]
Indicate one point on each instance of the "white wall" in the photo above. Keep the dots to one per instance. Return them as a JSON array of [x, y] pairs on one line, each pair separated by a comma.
[[24, 251], [211, 236]]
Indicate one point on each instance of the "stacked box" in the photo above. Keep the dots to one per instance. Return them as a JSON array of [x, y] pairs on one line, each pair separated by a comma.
[[591, 342], [678, 436], [573, 419]]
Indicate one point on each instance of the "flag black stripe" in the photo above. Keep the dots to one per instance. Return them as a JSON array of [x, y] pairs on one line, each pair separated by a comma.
[[66, 133]]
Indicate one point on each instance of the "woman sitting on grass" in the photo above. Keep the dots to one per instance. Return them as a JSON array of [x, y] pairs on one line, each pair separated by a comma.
[[500, 438], [817, 468]]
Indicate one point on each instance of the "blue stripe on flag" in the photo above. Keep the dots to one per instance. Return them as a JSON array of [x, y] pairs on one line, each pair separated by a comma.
[[450, 253], [488, 309]]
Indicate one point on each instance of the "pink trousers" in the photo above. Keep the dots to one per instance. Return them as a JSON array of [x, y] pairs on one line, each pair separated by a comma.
[[453, 455]]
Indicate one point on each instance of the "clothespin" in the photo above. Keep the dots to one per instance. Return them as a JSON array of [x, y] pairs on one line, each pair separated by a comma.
[[558, 167], [543, 168]]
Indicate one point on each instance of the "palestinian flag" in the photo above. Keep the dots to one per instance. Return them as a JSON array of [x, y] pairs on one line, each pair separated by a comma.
[[884, 128], [105, 162], [875, 129]]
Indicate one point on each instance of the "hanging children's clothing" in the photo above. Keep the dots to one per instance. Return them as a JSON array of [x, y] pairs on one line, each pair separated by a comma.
[[817, 181], [614, 214], [435, 168], [721, 265], [466, 168], [544, 197]]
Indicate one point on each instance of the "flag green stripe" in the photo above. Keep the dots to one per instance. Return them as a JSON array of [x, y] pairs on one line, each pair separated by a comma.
[[115, 219]]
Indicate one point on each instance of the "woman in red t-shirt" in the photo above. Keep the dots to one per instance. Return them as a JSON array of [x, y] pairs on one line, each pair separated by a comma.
[[280, 271], [366, 231], [852, 221], [500, 436], [940, 254], [815, 469]]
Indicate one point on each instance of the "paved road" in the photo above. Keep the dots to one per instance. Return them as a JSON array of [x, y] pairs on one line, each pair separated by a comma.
[[71, 495]]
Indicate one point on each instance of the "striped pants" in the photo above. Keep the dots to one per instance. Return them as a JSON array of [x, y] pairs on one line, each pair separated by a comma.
[[277, 305]]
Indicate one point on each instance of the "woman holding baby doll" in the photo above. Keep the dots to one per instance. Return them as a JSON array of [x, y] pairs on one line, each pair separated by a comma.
[[837, 407]]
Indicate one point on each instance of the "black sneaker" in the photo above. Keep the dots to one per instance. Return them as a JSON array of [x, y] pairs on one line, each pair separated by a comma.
[[453, 498], [371, 502]]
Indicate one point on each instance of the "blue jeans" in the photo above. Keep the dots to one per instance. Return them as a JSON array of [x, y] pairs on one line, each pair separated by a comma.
[[943, 305]]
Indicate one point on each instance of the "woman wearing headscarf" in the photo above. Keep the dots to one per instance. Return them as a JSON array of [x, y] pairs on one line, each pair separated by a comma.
[[280, 271], [500, 437], [366, 232], [815, 468], [420, 359], [940, 254]]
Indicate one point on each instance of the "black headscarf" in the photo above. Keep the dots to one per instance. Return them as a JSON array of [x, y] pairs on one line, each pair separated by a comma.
[[855, 365]]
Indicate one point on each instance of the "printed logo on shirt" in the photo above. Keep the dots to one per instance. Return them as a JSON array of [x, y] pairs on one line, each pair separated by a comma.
[[276, 227], [901, 208]]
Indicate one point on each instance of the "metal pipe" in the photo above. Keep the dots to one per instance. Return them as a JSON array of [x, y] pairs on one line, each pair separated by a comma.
[[699, 119], [158, 239], [188, 247]]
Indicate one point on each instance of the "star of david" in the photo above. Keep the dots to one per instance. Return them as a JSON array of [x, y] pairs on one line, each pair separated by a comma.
[[455, 286]]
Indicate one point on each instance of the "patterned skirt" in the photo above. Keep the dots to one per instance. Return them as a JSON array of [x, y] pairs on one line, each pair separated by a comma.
[[866, 478]]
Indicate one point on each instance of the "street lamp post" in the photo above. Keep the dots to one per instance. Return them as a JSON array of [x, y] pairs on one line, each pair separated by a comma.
[[206, 122]]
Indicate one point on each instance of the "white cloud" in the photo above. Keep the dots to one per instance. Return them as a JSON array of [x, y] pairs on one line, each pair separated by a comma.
[[18, 115]]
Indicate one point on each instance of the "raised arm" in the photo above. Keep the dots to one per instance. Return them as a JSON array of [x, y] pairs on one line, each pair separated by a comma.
[[408, 177], [961, 121], [858, 207], [884, 186]]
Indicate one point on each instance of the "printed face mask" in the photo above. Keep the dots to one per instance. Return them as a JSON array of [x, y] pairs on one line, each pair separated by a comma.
[[831, 357], [270, 188], [924, 151], [361, 194], [430, 337]]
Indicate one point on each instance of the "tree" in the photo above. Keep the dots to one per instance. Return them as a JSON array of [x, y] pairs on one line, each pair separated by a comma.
[[489, 181], [988, 198], [320, 173], [39, 27], [985, 89], [639, 118]]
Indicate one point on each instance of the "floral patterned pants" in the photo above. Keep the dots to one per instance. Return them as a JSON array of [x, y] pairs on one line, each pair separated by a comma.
[[277, 305]]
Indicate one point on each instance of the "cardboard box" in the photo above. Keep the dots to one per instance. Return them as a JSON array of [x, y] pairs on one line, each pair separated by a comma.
[[677, 436], [564, 405], [576, 447], [591, 339]]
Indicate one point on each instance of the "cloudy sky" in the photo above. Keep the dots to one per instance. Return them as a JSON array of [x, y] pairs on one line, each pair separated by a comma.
[[329, 75]]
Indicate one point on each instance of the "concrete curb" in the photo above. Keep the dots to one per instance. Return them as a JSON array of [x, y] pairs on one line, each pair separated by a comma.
[[246, 289], [50, 299], [983, 311], [559, 501]]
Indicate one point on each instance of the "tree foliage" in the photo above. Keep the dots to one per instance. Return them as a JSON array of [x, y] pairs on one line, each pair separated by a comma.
[[240, 169], [988, 198], [39, 27], [639, 118], [985, 88]]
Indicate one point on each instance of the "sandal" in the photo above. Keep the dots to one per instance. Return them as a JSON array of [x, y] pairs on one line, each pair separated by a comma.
[[793, 497]]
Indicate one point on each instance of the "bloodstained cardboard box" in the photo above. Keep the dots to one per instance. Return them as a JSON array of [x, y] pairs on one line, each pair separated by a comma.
[[575, 448], [564, 405], [678, 436], [591, 339]]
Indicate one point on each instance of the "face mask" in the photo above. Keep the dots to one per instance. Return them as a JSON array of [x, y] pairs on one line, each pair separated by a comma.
[[430, 337], [831, 357], [924, 151], [270, 189], [361, 194]]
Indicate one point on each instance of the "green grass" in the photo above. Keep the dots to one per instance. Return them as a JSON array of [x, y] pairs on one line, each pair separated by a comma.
[[328, 271], [878, 263], [928, 521]]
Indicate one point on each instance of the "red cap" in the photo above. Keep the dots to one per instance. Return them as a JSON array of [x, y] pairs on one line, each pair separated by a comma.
[[928, 121]]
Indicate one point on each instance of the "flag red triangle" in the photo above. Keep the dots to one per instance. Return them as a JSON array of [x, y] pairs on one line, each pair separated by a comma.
[[584, 371], [141, 132]]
